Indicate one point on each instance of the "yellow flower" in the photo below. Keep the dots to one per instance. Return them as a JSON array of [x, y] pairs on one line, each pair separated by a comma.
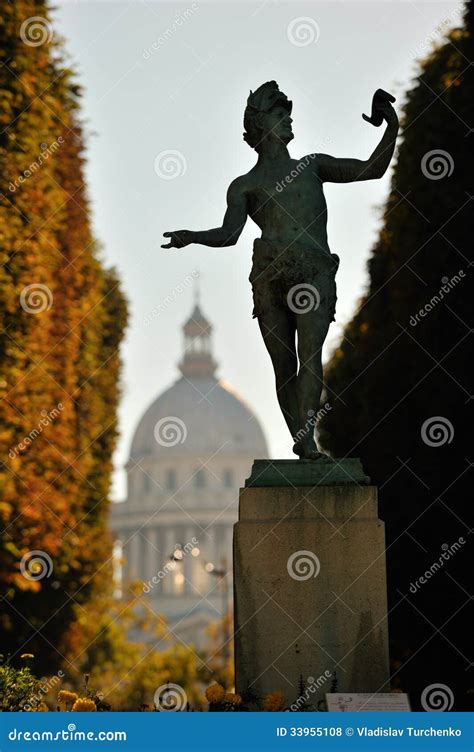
[[232, 698], [68, 698], [274, 701], [215, 693], [27, 655], [84, 705]]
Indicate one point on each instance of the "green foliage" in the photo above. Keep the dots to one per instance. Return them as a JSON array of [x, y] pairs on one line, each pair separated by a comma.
[[17, 687], [129, 671], [395, 369]]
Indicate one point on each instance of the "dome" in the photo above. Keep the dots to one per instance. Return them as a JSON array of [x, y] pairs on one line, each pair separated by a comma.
[[202, 416], [199, 414]]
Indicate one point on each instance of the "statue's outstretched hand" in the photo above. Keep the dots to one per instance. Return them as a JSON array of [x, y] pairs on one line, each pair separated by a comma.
[[178, 239]]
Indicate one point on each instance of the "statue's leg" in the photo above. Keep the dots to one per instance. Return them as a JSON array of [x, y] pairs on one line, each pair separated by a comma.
[[312, 328], [277, 326]]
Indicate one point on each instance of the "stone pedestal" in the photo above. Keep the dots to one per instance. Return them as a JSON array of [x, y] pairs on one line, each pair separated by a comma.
[[309, 582]]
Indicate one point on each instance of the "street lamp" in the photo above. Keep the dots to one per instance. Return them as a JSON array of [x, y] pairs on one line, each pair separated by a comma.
[[222, 583], [178, 553], [221, 574]]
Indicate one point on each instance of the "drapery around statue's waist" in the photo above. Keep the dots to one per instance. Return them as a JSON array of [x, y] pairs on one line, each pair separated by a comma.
[[281, 274]]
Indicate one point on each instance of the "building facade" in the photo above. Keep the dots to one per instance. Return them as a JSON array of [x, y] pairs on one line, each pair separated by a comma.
[[192, 450]]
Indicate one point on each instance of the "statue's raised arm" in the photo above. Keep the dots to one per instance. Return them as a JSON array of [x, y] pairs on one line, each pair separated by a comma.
[[347, 170]]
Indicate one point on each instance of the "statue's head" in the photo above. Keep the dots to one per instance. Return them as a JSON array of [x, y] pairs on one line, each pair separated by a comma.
[[267, 116]]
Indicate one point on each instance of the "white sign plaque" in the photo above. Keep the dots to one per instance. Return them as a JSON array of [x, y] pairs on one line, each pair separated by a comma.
[[382, 702]]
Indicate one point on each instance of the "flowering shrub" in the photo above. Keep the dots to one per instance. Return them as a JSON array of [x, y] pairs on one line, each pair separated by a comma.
[[84, 705], [221, 701], [232, 698], [91, 700], [20, 690], [215, 693], [274, 701], [17, 686], [67, 698]]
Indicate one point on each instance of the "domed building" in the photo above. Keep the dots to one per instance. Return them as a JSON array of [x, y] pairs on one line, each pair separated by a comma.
[[192, 450]]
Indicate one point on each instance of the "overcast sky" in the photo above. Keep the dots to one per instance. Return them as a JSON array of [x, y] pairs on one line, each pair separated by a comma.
[[174, 77]]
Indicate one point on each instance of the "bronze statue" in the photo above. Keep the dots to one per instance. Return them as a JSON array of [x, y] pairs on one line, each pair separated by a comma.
[[293, 271]]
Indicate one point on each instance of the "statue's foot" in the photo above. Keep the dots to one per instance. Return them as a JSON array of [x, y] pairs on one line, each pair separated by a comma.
[[298, 449], [307, 450]]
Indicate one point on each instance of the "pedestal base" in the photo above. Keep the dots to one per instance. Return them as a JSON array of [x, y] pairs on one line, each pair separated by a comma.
[[310, 591]]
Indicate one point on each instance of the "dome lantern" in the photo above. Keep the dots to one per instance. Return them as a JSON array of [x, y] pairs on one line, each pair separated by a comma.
[[197, 359]]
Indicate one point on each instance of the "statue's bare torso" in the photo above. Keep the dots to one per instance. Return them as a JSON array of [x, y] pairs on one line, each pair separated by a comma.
[[287, 203]]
